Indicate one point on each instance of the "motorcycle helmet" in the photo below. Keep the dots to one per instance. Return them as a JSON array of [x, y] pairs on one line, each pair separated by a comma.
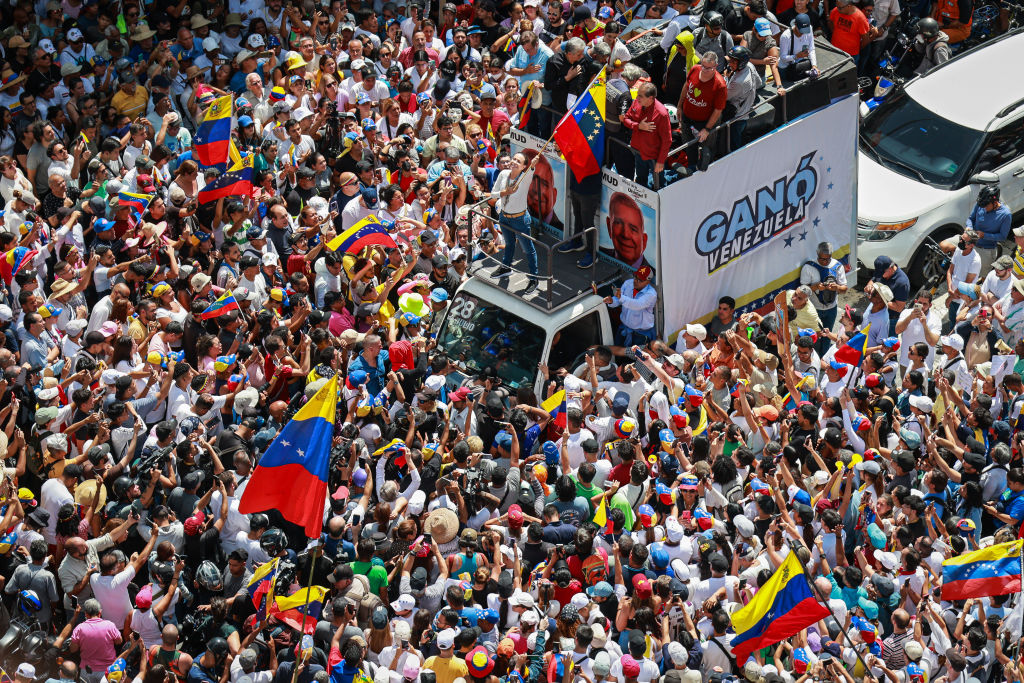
[[29, 602], [673, 115], [121, 487], [714, 20], [273, 541], [219, 648], [208, 577], [163, 572], [988, 193], [928, 28], [742, 55]]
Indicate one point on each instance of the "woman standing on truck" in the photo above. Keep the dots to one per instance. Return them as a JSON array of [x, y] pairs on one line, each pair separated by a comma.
[[509, 199]]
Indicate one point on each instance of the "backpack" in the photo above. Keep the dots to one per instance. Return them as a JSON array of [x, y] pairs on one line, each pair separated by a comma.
[[734, 491], [367, 603]]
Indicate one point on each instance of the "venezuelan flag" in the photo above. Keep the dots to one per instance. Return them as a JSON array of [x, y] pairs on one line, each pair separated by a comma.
[[138, 202], [994, 570], [297, 601], [783, 606], [853, 351], [365, 233], [261, 585], [221, 306], [292, 475], [14, 260], [212, 139], [580, 133], [232, 183], [524, 105], [555, 407]]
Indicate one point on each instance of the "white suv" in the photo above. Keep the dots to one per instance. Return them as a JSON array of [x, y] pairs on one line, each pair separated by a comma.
[[927, 150]]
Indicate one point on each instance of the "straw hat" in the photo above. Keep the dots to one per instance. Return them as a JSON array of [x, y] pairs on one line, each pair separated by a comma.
[[143, 32], [233, 19], [86, 491], [199, 21], [9, 79], [442, 524]]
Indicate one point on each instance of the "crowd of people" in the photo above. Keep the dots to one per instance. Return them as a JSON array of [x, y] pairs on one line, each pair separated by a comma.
[[469, 535]]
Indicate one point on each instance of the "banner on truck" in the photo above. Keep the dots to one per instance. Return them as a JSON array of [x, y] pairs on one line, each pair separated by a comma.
[[627, 222], [744, 228], [549, 190]]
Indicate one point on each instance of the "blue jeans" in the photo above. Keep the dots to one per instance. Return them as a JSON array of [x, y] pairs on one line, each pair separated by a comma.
[[518, 228], [627, 336], [539, 123], [644, 172], [736, 134], [828, 321]]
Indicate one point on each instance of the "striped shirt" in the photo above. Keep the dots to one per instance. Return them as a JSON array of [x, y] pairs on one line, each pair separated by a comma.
[[892, 649]]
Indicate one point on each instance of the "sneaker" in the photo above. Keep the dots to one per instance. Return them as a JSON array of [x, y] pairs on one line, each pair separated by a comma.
[[530, 286], [501, 271], [586, 261], [571, 246]]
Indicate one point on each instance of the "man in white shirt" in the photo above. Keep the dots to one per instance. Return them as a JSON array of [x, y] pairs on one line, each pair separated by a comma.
[[111, 586], [918, 323], [796, 49], [54, 494], [964, 270]]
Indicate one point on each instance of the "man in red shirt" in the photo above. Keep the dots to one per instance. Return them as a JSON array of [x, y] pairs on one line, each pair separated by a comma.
[[850, 28], [652, 135], [489, 116], [701, 104]]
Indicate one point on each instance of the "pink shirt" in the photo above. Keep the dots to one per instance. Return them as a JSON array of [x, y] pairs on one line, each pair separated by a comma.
[[96, 640]]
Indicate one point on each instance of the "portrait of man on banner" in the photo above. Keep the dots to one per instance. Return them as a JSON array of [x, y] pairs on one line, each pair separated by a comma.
[[626, 237]]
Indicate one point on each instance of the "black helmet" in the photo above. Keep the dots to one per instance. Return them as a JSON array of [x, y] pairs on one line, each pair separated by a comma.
[[987, 194], [742, 55], [273, 541], [122, 485], [928, 27], [163, 572], [219, 647], [714, 20], [208, 577]]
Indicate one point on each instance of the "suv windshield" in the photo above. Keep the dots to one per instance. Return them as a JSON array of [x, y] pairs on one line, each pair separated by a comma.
[[477, 334], [915, 142]]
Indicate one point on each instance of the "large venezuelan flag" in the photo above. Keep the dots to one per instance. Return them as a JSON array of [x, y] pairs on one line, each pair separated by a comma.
[[292, 475], [580, 133], [365, 233], [213, 135], [780, 608], [994, 570], [232, 183], [853, 351]]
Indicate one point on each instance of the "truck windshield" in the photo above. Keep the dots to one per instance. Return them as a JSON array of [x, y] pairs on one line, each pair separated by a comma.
[[478, 334], [907, 138]]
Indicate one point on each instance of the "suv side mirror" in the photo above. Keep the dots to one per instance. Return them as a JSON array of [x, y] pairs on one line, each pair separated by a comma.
[[985, 178]]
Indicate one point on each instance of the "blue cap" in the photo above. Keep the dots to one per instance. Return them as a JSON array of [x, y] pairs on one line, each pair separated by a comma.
[[368, 124], [423, 97], [491, 615], [241, 102], [666, 436], [244, 121], [620, 404], [439, 295], [763, 27], [870, 607], [802, 22], [659, 557], [487, 92], [255, 233], [274, 41], [369, 196], [103, 224], [357, 378], [802, 496], [551, 454], [503, 440], [351, 137], [601, 589], [362, 98]]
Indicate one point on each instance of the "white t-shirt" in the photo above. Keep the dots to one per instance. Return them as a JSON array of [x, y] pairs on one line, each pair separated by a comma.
[[52, 496], [915, 333], [965, 265], [112, 592]]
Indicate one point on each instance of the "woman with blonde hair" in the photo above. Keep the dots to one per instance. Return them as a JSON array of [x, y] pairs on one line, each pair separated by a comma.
[[187, 179]]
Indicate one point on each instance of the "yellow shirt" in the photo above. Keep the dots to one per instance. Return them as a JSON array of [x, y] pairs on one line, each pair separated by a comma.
[[133, 105], [447, 670]]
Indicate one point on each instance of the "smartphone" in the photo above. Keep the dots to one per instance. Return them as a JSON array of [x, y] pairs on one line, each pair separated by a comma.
[[686, 514], [309, 84], [743, 584], [427, 538], [74, 601]]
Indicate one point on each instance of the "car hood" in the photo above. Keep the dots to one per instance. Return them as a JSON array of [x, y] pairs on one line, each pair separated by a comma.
[[885, 196]]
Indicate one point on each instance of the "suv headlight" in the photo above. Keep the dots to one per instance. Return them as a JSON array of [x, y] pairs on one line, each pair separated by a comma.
[[873, 231]]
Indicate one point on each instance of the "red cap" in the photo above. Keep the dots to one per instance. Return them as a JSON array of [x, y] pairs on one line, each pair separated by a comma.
[[642, 586], [630, 667], [194, 524], [144, 598], [460, 394], [644, 272], [515, 516], [873, 380]]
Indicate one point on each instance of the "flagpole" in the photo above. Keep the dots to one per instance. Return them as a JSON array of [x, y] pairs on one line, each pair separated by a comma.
[[313, 555], [552, 136], [824, 601]]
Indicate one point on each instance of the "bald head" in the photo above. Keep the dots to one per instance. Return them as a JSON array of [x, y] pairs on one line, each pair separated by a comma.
[[277, 409], [169, 636]]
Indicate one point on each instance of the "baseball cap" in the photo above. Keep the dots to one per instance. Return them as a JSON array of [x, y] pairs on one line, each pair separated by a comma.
[[763, 27], [802, 22]]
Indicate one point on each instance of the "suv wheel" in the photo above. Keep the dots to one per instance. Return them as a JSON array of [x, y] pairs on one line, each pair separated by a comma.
[[926, 268]]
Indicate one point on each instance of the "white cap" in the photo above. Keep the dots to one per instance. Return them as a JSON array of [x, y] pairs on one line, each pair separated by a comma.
[[580, 600], [820, 478], [357, 64], [673, 531], [75, 34], [887, 560], [46, 45], [301, 113], [678, 653], [954, 341], [6, 314], [57, 442], [697, 331], [25, 669], [922, 403], [446, 639], [530, 617], [681, 570], [404, 603], [76, 326], [269, 259], [521, 599], [47, 394], [211, 44], [402, 629], [416, 502]]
